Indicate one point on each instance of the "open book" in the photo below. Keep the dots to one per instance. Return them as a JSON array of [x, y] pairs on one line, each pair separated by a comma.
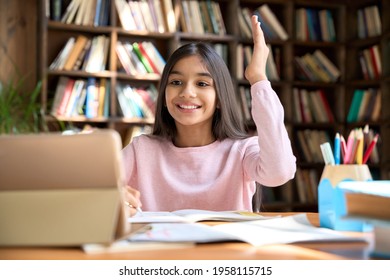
[[195, 215], [290, 229]]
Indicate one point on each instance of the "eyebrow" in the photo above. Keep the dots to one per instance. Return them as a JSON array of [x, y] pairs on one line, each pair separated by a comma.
[[201, 74]]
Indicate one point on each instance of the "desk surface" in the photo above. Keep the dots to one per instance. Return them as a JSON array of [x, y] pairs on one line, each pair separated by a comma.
[[221, 251]]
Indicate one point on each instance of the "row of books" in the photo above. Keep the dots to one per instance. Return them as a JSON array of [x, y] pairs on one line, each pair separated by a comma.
[[83, 53], [81, 12], [139, 58], [270, 24], [137, 102], [308, 142], [307, 184], [365, 105], [311, 106], [201, 17], [146, 15], [314, 25], [81, 97], [316, 67], [369, 22], [273, 64], [370, 62]]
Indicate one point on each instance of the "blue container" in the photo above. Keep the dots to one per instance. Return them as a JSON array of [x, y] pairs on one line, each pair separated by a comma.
[[331, 200]]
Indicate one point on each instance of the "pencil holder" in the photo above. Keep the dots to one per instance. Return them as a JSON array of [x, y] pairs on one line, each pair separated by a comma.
[[331, 201]]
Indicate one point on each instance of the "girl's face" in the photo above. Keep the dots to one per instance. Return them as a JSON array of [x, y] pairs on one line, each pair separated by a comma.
[[190, 94]]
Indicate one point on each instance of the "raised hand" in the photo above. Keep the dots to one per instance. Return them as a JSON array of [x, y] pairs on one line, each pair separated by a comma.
[[255, 71]]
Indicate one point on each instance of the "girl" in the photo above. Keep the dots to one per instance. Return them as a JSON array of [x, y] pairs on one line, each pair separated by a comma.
[[199, 155]]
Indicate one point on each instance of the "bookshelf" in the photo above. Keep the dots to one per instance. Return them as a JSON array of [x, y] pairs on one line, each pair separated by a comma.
[[363, 38], [341, 49]]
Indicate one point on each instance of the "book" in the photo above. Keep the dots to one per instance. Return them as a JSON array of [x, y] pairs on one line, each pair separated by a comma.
[[219, 18], [78, 47], [81, 12], [71, 11], [184, 19], [142, 58], [161, 25], [102, 96], [98, 54], [124, 59], [170, 17], [376, 61], [325, 104], [376, 111], [59, 62], [355, 105], [148, 57], [194, 215], [92, 98], [148, 99], [147, 16], [135, 61], [274, 230], [55, 9], [369, 63], [195, 17], [137, 15], [74, 96], [381, 232], [59, 94], [301, 28], [206, 19], [274, 22], [312, 23], [65, 97], [125, 17], [155, 55], [242, 22], [367, 199], [297, 114], [80, 59], [325, 61]]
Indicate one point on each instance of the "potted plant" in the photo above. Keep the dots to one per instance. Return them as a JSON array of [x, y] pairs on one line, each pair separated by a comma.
[[20, 111]]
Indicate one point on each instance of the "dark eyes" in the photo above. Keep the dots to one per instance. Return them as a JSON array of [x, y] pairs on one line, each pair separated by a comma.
[[203, 84], [175, 83], [178, 83]]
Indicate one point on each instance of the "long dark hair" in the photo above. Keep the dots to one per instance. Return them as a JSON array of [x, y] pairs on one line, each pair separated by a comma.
[[227, 121]]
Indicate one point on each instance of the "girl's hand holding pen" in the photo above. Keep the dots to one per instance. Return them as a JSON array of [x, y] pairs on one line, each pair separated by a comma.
[[132, 200], [255, 71]]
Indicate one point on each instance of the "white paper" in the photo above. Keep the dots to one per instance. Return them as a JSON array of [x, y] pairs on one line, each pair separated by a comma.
[[290, 229], [195, 215]]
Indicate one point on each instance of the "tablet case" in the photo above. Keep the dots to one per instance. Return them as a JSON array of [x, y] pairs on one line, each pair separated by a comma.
[[61, 190]]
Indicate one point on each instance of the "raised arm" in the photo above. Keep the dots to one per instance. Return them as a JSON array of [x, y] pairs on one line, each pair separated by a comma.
[[255, 71], [274, 163]]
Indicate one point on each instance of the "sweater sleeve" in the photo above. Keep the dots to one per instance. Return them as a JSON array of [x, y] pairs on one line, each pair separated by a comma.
[[272, 163]]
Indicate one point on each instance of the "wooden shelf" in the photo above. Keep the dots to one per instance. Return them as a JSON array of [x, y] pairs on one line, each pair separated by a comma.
[[342, 52]]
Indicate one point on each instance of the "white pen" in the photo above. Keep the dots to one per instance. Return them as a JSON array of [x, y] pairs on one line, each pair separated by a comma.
[[138, 209]]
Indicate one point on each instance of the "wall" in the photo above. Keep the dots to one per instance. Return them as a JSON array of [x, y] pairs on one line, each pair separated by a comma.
[[18, 40]]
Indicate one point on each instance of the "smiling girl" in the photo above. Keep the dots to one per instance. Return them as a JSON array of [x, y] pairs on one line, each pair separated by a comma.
[[199, 155]]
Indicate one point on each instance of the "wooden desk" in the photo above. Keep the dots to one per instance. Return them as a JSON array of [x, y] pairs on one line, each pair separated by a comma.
[[220, 251]]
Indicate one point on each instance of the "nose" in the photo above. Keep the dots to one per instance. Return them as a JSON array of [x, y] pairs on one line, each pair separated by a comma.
[[188, 91]]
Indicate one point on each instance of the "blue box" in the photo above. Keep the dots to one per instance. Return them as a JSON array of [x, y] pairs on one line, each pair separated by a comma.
[[331, 200]]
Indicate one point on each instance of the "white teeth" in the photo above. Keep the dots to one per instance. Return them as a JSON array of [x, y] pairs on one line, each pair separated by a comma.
[[189, 107]]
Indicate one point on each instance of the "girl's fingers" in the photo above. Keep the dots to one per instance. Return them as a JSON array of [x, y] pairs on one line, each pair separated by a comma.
[[132, 197]]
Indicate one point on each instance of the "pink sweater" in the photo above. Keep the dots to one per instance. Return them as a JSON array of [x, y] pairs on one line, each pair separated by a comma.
[[219, 176]]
